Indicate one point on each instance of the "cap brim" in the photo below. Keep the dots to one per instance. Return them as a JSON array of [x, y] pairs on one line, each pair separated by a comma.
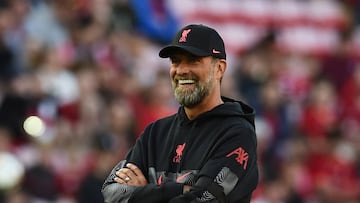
[[170, 50]]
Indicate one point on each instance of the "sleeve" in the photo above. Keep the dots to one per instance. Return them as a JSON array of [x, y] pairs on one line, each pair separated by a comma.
[[230, 175], [114, 192]]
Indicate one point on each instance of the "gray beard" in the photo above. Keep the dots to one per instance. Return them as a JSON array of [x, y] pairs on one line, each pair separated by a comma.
[[191, 98]]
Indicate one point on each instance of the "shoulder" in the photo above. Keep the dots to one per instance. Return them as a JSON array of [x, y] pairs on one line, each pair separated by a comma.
[[161, 124]]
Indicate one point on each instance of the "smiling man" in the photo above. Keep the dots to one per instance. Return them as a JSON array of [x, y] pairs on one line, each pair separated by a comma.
[[206, 152]]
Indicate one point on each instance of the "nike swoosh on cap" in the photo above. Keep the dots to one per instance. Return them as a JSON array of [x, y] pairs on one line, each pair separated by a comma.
[[215, 51], [180, 178]]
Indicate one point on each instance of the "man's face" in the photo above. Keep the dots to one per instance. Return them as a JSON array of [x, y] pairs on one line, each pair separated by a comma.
[[192, 78]]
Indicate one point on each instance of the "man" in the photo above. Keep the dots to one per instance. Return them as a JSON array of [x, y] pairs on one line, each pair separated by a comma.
[[204, 153]]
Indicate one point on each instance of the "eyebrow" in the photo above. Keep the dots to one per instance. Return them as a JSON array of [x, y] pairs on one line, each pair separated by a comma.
[[185, 56]]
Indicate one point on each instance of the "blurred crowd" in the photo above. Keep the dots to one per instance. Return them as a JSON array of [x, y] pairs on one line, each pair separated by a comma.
[[89, 71]]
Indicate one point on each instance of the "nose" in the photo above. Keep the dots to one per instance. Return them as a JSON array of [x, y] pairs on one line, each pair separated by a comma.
[[182, 68]]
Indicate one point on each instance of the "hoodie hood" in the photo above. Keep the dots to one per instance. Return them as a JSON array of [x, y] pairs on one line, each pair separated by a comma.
[[229, 108]]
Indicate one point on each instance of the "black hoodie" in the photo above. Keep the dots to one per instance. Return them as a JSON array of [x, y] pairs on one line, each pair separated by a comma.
[[215, 154]]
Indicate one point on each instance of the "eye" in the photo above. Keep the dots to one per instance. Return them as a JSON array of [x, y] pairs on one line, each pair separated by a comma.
[[174, 60], [194, 59]]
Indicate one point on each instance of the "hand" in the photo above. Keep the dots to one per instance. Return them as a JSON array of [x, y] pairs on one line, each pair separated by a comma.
[[186, 188], [131, 175]]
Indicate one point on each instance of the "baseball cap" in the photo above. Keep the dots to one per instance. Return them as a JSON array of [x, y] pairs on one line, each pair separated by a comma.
[[199, 40]]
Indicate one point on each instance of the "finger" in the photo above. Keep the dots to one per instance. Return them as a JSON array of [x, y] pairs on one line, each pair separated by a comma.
[[134, 169], [119, 180], [123, 176], [128, 172], [140, 178]]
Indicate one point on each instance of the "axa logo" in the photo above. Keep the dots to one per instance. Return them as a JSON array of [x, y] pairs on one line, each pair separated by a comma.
[[184, 35], [242, 156], [179, 152]]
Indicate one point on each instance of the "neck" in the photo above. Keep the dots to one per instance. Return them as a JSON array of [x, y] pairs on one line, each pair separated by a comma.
[[206, 105]]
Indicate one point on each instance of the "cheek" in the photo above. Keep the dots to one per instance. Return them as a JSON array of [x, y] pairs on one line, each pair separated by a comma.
[[172, 73]]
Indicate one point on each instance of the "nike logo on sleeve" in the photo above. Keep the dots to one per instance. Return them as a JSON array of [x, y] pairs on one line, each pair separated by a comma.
[[180, 179]]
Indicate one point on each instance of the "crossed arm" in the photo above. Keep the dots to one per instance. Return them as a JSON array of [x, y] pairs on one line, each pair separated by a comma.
[[133, 176], [222, 178]]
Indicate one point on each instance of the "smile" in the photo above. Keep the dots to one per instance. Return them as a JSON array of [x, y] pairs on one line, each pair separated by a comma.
[[186, 82]]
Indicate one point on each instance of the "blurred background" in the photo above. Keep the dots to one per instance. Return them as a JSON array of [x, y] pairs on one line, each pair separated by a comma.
[[80, 79]]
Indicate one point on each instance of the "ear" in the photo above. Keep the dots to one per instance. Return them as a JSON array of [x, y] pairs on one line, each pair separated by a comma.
[[221, 68]]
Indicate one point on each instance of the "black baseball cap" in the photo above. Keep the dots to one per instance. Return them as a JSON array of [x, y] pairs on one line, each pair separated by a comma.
[[199, 40]]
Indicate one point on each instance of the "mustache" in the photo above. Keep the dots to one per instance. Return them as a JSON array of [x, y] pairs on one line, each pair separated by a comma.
[[185, 77]]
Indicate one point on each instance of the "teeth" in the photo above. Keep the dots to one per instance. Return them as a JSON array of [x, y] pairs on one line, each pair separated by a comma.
[[181, 82]]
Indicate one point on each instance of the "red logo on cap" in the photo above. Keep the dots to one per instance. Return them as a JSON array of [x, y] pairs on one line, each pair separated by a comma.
[[184, 35]]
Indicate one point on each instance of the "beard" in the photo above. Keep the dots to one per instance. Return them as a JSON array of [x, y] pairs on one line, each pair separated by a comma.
[[188, 97]]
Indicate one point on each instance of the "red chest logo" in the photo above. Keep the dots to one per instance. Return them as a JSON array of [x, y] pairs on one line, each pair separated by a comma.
[[179, 152], [184, 35]]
